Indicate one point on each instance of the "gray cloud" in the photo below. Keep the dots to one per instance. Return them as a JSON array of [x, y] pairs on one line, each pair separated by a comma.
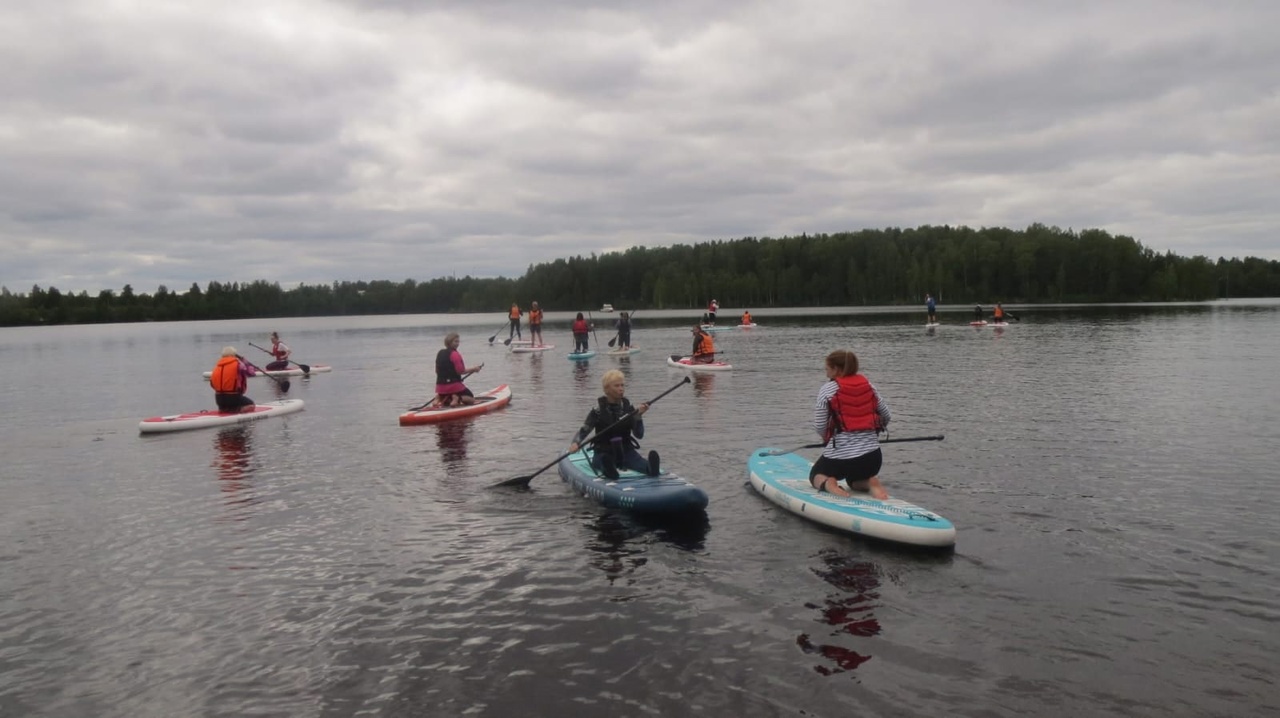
[[305, 142]]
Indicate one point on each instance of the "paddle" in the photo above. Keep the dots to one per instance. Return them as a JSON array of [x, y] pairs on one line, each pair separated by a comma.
[[464, 376], [282, 381], [678, 357], [495, 334], [592, 319], [614, 340], [524, 480], [780, 452], [306, 368]]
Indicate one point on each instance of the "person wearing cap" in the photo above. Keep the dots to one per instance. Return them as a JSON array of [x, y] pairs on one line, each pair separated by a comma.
[[704, 347], [229, 382]]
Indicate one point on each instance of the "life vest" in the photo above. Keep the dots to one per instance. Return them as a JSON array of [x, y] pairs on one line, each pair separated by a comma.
[[446, 372], [535, 317], [998, 313], [746, 317], [580, 326], [712, 307], [853, 408], [226, 377], [705, 345], [280, 350], [607, 415], [514, 313]]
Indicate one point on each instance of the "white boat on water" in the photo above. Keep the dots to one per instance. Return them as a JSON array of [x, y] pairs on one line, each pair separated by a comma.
[[607, 308]]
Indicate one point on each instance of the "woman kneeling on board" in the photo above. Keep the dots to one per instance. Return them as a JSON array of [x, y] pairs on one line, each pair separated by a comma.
[[228, 382], [450, 391], [617, 445], [848, 414]]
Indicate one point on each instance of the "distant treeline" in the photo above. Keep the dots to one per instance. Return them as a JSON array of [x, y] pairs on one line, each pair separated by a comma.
[[958, 265]]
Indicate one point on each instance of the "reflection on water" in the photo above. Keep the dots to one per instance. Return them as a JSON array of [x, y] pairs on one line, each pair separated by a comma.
[[620, 541], [582, 374], [703, 383], [233, 462], [850, 611], [451, 437]]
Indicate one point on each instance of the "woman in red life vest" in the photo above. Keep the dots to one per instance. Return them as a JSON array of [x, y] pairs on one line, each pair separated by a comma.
[[535, 324], [229, 382], [704, 348], [580, 329], [848, 414], [450, 391], [281, 352]]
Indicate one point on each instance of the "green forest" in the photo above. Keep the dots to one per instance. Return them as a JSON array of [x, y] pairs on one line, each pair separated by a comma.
[[958, 265]]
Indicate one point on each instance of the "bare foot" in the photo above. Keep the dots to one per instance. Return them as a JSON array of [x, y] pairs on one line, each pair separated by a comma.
[[877, 489], [831, 486]]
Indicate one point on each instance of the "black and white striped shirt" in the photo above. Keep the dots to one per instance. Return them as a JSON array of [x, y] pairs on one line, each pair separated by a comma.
[[847, 444]]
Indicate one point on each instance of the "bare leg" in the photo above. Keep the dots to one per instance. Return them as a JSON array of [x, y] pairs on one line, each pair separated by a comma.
[[829, 484]]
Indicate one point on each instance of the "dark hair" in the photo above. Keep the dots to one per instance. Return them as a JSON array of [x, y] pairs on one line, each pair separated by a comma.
[[845, 362], [579, 316]]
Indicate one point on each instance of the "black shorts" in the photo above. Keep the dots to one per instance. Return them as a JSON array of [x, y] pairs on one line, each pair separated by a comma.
[[231, 403], [859, 468]]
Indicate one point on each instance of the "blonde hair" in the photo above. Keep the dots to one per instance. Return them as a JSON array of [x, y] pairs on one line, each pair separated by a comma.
[[844, 361], [448, 338], [611, 376], [229, 351]]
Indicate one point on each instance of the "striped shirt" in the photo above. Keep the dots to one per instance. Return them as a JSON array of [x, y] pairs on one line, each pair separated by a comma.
[[847, 444]]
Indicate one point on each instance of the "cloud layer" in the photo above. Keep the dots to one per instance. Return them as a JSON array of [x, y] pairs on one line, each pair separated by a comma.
[[171, 143]]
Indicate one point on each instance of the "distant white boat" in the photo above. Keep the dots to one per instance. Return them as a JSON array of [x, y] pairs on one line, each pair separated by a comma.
[[607, 308]]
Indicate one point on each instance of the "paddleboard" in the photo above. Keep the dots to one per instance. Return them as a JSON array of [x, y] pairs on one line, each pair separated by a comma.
[[495, 398], [519, 342], [933, 325], [622, 352], [752, 325], [712, 329], [665, 493], [526, 349], [784, 480], [581, 356], [291, 371], [209, 418], [979, 323], [686, 363], [999, 324]]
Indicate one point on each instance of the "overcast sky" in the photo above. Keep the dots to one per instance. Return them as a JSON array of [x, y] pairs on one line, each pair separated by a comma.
[[151, 143]]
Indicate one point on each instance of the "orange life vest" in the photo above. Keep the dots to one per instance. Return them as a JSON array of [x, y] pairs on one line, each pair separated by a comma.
[[535, 316], [705, 345], [514, 313], [226, 377], [746, 318], [853, 408], [998, 314]]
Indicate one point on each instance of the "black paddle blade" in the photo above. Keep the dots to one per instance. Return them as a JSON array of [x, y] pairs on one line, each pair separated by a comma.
[[284, 384], [521, 481], [506, 342], [613, 341], [306, 368]]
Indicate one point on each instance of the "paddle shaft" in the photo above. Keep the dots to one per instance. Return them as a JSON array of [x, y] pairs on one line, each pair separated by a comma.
[[495, 334], [592, 319], [281, 382], [936, 437], [306, 368], [524, 480], [464, 376]]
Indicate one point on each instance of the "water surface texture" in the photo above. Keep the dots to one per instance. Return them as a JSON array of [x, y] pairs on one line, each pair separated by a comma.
[[1111, 472]]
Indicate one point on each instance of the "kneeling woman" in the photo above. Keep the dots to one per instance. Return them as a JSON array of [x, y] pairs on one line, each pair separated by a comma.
[[450, 369], [617, 425], [848, 414]]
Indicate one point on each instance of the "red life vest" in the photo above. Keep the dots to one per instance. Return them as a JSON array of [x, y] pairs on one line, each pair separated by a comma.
[[853, 408], [226, 377], [580, 326], [535, 317]]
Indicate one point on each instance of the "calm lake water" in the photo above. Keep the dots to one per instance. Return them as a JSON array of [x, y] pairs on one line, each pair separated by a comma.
[[1111, 472]]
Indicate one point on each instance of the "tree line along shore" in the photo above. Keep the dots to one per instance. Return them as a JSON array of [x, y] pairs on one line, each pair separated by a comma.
[[891, 266]]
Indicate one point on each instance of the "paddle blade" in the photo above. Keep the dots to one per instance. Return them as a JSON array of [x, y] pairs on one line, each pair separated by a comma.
[[306, 368], [284, 384], [613, 341], [520, 481], [506, 342]]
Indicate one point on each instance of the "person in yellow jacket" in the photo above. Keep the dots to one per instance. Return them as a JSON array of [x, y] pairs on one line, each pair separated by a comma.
[[229, 382], [514, 316]]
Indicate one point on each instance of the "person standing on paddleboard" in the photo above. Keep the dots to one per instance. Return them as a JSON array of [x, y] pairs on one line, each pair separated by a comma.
[[580, 330], [997, 314], [617, 426], [704, 347], [450, 391], [932, 308], [514, 316], [281, 352], [848, 414], [229, 382], [535, 325], [623, 325], [977, 312], [712, 308]]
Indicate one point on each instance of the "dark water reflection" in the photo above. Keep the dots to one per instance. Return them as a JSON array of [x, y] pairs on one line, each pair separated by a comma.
[[1110, 469]]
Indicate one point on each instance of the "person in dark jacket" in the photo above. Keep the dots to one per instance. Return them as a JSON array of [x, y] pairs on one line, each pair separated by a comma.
[[616, 425]]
